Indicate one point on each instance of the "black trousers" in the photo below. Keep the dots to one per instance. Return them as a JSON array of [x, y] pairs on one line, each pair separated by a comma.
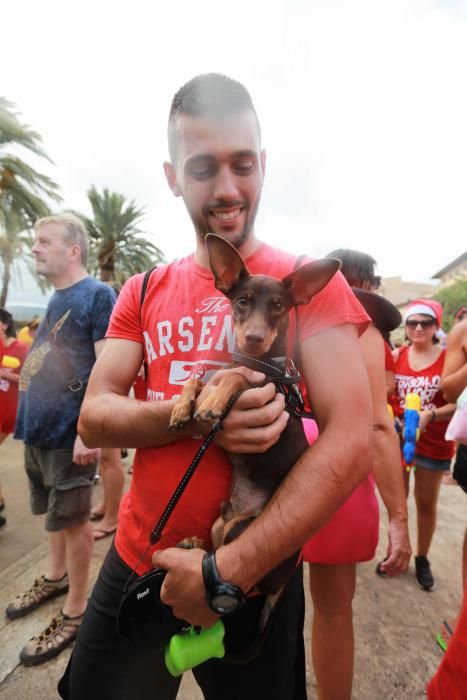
[[103, 667], [460, 467]]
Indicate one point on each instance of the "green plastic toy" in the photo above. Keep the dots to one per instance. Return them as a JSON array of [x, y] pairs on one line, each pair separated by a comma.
[[194, 646]]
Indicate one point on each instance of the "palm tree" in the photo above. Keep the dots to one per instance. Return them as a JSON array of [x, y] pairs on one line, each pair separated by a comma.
[[118, 249], [23, 190]]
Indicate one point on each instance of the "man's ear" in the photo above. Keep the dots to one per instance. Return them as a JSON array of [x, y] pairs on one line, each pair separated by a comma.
[[171, 177], [304, 283], [263, 162], [226, 263], [75, 252]]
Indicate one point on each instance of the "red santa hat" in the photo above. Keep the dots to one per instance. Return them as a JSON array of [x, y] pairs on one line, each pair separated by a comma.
[[429, 307]]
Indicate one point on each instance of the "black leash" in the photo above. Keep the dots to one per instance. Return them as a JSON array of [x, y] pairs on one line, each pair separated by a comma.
[[156, 532]]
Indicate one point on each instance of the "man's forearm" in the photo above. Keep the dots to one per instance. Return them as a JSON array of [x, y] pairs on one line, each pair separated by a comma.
[[387, 470], [454, 384], [310, 495], [110, 420]]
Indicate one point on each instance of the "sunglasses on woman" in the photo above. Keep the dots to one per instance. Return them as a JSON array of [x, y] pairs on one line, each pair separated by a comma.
[[424, 324]]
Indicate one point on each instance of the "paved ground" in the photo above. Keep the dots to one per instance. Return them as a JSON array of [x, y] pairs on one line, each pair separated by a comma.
[[395, 621]]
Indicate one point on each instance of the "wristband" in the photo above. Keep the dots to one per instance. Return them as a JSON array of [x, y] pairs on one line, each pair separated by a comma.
[[433, 415]]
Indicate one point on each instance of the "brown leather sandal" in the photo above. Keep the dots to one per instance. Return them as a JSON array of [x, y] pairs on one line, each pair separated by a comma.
[[52, 641]]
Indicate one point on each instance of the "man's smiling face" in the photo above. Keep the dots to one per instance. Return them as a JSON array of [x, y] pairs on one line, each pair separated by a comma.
[[219, 172]]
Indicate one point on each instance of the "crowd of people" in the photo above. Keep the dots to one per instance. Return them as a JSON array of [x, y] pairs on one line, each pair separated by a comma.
[[67, 395]]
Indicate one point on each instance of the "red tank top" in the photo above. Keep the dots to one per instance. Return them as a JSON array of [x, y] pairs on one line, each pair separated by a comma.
[[426, 383]]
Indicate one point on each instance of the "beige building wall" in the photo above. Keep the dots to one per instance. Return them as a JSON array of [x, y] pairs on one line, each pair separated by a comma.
[[453, 274], [400, 292]]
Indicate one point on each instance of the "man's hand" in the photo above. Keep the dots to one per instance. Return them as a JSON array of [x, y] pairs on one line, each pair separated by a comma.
[[257, 418], [6, 373], [399, 550], [183, 588], [255, 422], [83, 455]]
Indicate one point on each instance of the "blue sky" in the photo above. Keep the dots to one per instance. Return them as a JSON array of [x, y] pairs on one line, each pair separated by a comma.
[[363, 109]]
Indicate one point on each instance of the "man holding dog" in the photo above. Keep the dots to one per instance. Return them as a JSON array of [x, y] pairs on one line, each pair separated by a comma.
[[183, 329]]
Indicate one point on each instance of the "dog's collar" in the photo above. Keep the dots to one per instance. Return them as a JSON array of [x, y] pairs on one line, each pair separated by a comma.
[[271, 366], [281, 371]]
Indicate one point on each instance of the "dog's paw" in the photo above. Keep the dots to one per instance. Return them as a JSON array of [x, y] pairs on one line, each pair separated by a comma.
[[208, 417], [211, 410], [181, 414], [191, 543]]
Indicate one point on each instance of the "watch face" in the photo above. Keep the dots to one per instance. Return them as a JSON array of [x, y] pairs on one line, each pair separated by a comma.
[[223, 603]]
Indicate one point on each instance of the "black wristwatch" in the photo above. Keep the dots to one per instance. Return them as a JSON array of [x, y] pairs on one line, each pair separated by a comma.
[[223, 598]]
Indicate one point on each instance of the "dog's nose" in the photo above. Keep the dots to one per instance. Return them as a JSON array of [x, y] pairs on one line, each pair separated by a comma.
[[254, 338]]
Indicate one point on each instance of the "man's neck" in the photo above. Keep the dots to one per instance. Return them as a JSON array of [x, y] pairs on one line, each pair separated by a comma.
[[69, 278], [246, 249]]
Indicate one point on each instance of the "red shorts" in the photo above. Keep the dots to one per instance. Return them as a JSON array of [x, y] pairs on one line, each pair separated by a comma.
[[8, 406]]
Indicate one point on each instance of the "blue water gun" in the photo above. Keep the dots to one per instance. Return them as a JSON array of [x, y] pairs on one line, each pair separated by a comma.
[[411, 431]]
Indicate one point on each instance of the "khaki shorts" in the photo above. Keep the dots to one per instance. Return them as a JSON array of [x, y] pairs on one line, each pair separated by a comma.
[[58, 487]]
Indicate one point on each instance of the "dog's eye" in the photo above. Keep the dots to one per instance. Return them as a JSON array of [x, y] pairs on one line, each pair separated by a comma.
[[242, 302], [278, 306]]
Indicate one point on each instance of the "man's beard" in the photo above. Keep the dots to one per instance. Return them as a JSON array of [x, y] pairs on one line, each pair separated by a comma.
[[236, 239]]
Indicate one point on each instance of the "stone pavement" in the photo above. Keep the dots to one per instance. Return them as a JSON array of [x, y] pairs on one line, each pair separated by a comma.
[[395, 621]]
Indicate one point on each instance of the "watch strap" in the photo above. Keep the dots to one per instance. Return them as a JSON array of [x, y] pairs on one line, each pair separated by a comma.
[[215, 585]]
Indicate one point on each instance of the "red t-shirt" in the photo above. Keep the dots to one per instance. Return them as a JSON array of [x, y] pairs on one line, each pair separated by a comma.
[[186, 330], [389, 365], [426, 383], [9, 390], [139, 386], [450, 680]]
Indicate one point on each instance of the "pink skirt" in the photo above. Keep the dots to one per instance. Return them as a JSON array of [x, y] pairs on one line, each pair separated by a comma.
[[351, 535]]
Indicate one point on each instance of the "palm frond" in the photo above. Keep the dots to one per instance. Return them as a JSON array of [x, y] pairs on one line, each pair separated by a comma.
[[118, 246], [12, 131]]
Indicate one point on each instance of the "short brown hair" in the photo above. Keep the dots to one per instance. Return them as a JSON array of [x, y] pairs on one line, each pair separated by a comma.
[[210, 94]]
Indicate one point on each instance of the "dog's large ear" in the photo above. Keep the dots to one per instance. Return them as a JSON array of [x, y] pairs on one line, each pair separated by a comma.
[[226, 263], [310, 279]]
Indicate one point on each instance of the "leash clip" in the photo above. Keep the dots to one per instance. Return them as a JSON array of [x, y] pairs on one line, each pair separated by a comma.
[[291, 390]]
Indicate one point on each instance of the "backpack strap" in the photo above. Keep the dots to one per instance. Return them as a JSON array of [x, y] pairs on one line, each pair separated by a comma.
[[145, 287], [141, 302]]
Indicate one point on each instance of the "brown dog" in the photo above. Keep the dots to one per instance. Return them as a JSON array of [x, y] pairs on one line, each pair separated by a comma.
[[260, 311]]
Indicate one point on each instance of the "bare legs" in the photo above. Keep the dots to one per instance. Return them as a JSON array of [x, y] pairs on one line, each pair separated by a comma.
[[332, 590], [427, 485], [426, 491], [71, 551], [112, 474]]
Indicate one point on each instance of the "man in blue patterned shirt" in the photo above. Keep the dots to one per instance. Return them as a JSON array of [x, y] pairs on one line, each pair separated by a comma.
[[59, 467]]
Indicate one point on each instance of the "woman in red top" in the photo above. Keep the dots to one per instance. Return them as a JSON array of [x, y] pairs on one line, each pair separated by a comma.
[[418, 370], [11, 348]]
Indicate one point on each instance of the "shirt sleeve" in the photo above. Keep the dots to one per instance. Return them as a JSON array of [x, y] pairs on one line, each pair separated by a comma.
[[389, 364], [125, 321], [334, 305], [103, 303]]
